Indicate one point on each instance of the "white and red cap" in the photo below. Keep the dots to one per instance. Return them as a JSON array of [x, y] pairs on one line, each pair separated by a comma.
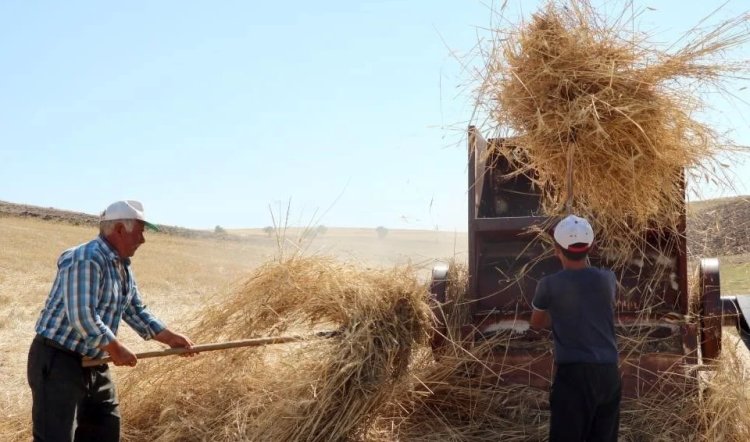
[[126, 209], [574, 230]]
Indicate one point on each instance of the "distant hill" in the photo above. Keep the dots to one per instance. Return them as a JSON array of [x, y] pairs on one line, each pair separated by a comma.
[[717, 227], [84, 219]]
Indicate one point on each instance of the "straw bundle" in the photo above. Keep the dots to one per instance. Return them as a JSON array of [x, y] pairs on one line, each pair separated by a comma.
[[605, 121], [325, 389]]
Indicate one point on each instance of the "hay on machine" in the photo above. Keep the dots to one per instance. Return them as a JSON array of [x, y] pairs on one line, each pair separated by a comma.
[[605, 120]]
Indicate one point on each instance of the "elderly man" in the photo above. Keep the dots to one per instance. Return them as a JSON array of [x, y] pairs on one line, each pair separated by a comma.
[[94, 288]]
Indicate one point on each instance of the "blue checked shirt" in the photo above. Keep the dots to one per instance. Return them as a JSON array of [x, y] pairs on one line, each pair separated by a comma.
[[93, 289]]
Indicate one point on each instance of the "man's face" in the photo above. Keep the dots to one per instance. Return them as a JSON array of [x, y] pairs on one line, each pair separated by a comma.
[[131, 240]]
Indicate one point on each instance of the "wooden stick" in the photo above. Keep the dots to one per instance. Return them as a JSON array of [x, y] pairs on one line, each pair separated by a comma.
[[211, 347]]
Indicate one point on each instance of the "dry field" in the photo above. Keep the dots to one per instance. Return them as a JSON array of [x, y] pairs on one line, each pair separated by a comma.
[[178, 276]]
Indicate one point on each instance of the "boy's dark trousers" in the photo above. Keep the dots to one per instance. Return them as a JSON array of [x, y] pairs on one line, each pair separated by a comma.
[[585, 403], [70, 402]]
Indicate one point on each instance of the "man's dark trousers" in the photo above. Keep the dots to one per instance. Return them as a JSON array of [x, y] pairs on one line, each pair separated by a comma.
[[585, 403], [70, 402]]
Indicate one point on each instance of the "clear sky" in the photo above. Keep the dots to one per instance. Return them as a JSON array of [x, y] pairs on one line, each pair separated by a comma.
[[353, 112]]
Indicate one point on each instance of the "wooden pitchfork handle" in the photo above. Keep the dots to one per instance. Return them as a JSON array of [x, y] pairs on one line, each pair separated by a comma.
[[256, 342]]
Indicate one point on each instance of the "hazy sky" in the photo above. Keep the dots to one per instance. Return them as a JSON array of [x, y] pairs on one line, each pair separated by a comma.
[[212, 112]]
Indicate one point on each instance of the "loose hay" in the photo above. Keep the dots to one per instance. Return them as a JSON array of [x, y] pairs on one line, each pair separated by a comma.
[[724, 412], [590, 96], [460, 398]]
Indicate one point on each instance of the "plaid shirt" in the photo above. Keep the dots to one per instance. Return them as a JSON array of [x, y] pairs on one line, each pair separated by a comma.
[[93, 289]]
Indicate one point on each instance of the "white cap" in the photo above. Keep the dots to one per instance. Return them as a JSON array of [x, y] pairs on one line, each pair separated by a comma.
[[122, 210], [574, 230]]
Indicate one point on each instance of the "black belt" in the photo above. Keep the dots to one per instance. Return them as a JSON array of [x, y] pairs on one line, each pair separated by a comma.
[[56, 345]]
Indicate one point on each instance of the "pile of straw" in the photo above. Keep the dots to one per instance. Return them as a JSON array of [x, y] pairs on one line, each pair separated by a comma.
[[324, 389], [377, 380], [606, 122]]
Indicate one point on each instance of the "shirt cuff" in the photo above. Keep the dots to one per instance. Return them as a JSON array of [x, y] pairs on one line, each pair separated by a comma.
[[101, 340], [537, 308], [153, 328]]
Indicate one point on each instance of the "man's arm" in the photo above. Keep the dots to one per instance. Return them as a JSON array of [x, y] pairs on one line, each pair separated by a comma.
[[140, 319], [80, 291], [540, 319], [148, 326], [81, 282]]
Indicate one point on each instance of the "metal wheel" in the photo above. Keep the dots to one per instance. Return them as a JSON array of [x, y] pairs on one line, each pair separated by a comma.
[[438, 296], [710, 309]]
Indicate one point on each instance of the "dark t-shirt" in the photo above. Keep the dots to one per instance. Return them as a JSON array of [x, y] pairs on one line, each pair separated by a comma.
[[581, 305]]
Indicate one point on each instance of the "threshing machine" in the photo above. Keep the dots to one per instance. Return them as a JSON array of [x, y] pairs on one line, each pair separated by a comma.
[[665, 327]]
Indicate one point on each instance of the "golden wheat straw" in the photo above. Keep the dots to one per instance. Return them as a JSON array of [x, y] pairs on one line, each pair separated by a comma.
[[377, 380], [573, 85]]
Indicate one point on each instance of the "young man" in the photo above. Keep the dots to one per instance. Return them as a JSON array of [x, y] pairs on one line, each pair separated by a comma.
[[93, 290], [578, 302]]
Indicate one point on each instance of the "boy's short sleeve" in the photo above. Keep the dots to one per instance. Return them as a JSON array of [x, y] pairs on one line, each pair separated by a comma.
[[541, 297]]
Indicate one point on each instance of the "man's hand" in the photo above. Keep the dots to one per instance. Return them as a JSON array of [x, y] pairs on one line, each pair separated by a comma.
[[175, 340], [120, 354]]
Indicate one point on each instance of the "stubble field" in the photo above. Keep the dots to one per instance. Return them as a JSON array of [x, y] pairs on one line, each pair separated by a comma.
[[180, 276]]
